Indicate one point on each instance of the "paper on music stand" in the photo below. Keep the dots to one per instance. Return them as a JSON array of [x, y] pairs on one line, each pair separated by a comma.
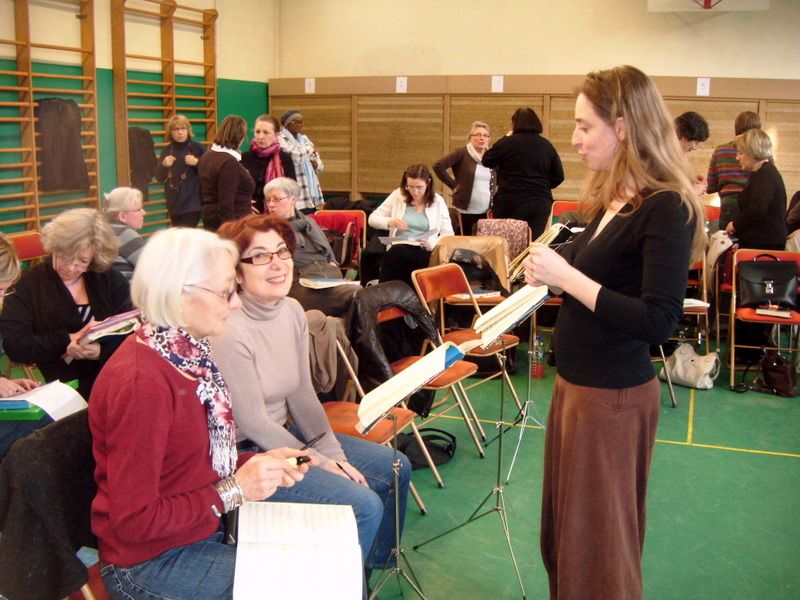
[[509, 312], [380, 400], [55, 398], [289, 550]]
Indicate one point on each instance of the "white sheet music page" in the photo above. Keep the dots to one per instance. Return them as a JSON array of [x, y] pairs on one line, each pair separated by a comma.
[[289, 550], [55, 398]]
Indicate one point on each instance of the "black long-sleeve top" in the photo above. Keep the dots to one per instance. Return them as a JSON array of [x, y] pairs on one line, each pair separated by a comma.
[[181, 182], [642, 262], [527, 164], [257, 167], [40, 314], [761, 222]]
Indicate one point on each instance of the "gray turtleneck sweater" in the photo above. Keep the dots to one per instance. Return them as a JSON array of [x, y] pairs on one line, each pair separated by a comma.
[[263, 356]]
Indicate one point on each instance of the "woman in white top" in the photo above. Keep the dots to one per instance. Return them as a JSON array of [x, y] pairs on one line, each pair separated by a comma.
[[471, 182], [417, 217]]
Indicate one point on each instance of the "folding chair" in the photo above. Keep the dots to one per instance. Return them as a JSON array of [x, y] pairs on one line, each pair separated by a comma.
[[516, 233], [343, 418], [434, 285], [492, 248], [723, 284], [749, 315], [449, 380], [697, 280], [28, 246], [561, 207], [347, 222]]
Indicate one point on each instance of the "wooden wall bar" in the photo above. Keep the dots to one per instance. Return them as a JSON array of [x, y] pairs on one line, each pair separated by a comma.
[[367, 134]]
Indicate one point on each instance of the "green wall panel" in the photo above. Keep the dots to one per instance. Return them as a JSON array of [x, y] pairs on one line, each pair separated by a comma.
[[247, 99]]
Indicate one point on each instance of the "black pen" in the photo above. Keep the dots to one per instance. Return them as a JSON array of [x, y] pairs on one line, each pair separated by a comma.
[[313, 441], [338, 464]]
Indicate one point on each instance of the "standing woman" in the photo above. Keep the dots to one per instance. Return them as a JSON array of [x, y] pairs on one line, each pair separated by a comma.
[[177, 168], [471, 182], [226, 187], [761, 219], [411, 210], [260, 161], [624, 280], [54, 301], [528, 167], [307, 162]]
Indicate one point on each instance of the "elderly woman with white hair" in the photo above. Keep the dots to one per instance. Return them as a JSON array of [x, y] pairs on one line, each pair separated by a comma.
[[124, 210], [163, 433], [56, 300], [307, 162]]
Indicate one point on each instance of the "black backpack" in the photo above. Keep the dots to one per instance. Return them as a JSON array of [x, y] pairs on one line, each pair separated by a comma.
[[441, 446]]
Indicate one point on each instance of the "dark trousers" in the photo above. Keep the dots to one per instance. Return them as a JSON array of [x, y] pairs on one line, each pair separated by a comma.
[[190, 219], [534, 211], [401, 260]]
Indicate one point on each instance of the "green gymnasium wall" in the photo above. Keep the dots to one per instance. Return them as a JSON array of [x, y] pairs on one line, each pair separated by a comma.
[[246, 98]]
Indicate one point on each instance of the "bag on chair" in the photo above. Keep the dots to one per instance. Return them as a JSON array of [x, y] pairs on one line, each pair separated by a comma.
[[441, 446], [767, 282], [689, 369]]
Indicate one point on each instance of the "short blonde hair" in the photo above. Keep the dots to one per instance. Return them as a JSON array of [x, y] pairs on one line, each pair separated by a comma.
[[172, 259], [120, 200], [79, 229], [478, 125], [755, 143], [178, 121], [9, 263]]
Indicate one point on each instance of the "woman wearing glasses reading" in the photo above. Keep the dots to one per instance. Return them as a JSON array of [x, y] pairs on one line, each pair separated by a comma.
[[263, 355], [416, 218], [56, 300], [471, 182], [624, 280]]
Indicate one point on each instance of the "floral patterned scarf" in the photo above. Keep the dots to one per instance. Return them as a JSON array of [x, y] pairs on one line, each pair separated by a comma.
[[193, 357]]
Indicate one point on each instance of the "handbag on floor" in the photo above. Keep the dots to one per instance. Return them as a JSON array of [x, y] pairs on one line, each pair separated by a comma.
[[776, 375], [767, 282], [689, 369]]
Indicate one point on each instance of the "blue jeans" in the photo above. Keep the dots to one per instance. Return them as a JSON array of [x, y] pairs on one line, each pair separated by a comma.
[[373, 507], [199, 571]]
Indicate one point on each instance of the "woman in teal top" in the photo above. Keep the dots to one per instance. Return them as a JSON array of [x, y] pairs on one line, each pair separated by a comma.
[[412, 212]]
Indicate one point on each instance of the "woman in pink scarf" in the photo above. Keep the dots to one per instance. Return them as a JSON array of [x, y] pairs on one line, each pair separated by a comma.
[[264, 147]]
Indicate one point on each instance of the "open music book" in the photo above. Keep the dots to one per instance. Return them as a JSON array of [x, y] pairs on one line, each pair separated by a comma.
[[288, 550], [490, 326], [121, 324], [55, 398]]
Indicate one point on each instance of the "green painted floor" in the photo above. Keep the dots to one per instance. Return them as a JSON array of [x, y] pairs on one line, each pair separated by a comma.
[[723, 503]]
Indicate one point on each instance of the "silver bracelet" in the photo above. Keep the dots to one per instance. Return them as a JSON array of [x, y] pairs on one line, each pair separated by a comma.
[[231, 494]]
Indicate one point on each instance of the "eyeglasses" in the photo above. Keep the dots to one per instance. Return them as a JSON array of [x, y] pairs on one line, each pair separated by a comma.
[[275, 200], [140, 209], [416, 188], [481, 135], [227, 296], [81, 263], [265, 258]]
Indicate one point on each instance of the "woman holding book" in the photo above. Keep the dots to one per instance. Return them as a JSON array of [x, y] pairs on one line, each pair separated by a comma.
[[417, 217], [624, 280], [163, 433], [263, 355], [56, 300]]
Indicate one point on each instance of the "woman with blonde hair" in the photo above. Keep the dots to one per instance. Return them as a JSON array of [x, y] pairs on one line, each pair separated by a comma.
[[56, 300], [226, 188], [624, 280], [177, 168], [125, 213], [471, 182], [761, 218]]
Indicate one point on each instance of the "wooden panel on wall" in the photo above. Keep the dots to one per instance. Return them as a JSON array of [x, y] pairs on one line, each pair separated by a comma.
[[562, 124], [393, 133], [783, 126], [326, 121], [495, 111]]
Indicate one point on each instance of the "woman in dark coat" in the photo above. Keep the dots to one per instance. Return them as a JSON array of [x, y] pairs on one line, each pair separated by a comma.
[[528, 167], [260, 159], [177, 168]]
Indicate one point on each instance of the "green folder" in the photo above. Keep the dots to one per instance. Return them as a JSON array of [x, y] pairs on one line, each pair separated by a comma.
[[32, 413]]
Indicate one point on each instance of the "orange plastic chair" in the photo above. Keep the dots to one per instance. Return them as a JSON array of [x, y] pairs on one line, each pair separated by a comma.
[[339, 220], [749, 315], [434, 285]]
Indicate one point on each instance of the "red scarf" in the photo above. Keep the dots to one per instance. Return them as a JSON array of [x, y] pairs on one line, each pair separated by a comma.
[[273, 154]]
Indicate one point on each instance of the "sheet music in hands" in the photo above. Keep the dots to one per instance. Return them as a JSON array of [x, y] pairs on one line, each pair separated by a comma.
[[292, 550], [509, 312], [55, 398]]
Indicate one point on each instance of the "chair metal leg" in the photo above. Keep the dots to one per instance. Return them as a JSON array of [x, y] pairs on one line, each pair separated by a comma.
[[471, 409], [427, 455], [668, 378], [732, 348], [468, 419], [87, 592], [417, 498]]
